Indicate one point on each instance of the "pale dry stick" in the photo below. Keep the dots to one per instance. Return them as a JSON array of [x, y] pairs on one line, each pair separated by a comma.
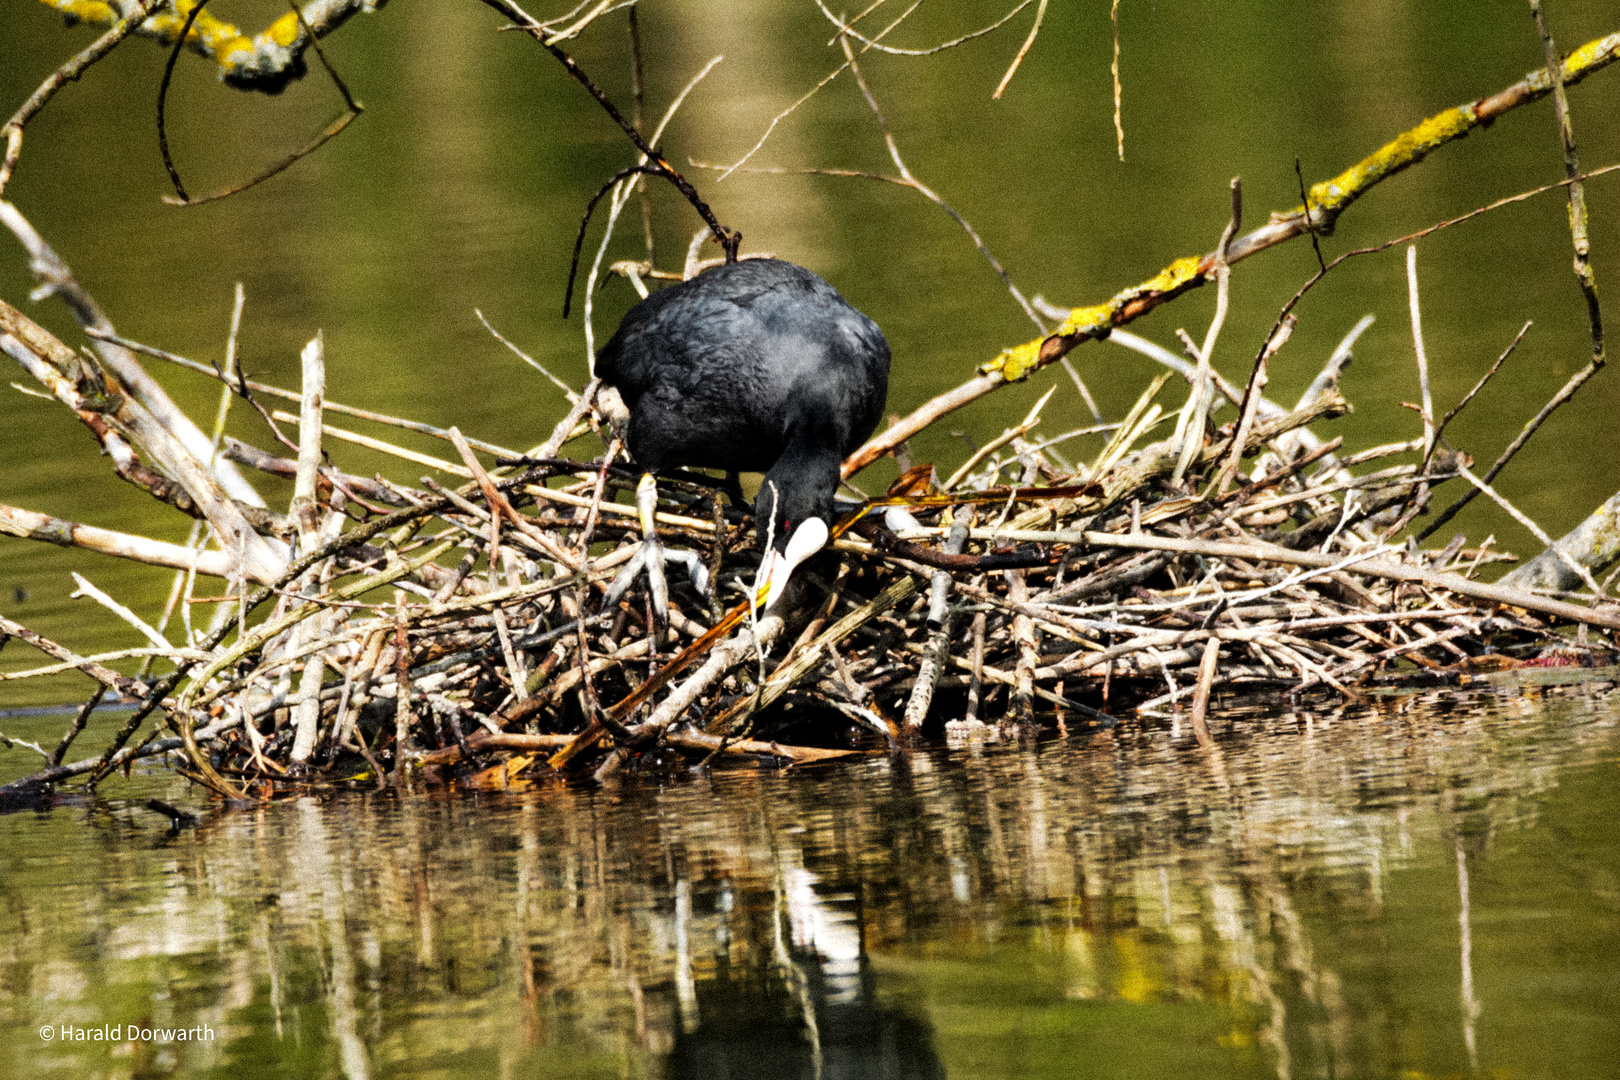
[[867, 42], [571, 393], [603, 7], [1040, 13], [1200, 702], [1113, 69], [575, 676], [1535, 530], [127, 431], [514, 665], [85, 588], [305, 508], [873, 6], [114, 759], [402, 691], [223, 412], [1023, 428], [621, 196], [663, 517], [564, 430], [31, 525], [1023, 635], [305, 514], [601, 569], [579, 7], [91, 664], [68, 72], [307, 705], [391, 449], [289, 395], [57, 278], [928, 193], [1390, 571], [1310, 672], [1577, 189], [1574, 180], [1189, 436], [1005, 678], [498, 506], [493, 497], [815, 654], [1361, 457], [1564, 393], [1349, 668], [1328, 375], [721, 660], [1092, 429], [940, 615], [1594, 543], [1164, 663], [1422, 354], [360, 675], [975, 666], [8, 741], [1440, 428], [1250, 408], [1143, 415], [185, 581], [196, 692], [1315, 491], [1079, 630], [1329, 200], [873, 42]]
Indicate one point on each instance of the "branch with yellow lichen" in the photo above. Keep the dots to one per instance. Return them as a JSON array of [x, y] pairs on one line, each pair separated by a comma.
[[1324, 203], [266, 61]]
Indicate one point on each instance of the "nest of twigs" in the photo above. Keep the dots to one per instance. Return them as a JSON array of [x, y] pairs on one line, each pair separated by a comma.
[[457, 635]]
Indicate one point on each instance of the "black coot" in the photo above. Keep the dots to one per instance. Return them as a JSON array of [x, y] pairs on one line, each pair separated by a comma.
[[755, 366]]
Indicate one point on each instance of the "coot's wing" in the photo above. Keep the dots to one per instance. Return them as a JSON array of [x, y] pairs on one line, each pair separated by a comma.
[[721, 369]]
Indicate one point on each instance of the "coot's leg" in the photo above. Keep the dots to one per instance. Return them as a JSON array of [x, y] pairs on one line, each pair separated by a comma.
[[652, 557]]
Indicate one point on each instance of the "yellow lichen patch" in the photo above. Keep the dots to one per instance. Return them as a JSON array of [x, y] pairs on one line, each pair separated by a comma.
[[1332, 196], [217, 36], [1017, 362], [1592, 55], [1092, 319], [284, 31], [93, 11], [213, 37], [1172, 277], [1099, 317]]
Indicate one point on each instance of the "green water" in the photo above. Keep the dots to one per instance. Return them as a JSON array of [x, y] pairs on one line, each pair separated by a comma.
[[1118, 905], [1114, 906]]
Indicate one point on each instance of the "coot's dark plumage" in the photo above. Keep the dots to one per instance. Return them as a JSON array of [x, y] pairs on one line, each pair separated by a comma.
[[754, 366]]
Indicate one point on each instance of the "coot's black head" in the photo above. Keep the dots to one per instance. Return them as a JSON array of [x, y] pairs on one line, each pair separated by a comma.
[[794, 511]]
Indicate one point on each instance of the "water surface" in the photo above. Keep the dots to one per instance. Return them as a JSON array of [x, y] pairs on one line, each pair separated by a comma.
[[1419, 887]]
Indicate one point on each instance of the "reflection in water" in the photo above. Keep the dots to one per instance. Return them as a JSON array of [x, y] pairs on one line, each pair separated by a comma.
[[1119, 905], [1470, 1004]]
